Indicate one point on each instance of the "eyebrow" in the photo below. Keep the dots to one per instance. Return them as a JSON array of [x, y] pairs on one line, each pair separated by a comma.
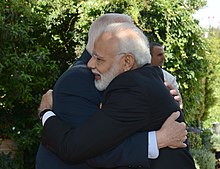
[[94, 53]]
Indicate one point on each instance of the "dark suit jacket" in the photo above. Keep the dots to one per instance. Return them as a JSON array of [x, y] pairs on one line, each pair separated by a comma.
[[75, 99], [134, 101]]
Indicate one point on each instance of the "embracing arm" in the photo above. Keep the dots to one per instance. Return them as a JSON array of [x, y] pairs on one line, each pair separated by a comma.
[[169, 135], [68, 100], [79, 144], [132, 151], [66, 140], [64, 155]]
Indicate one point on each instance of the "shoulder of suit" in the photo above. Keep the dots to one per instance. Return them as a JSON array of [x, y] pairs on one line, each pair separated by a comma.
[[133, 74], [77, 69], [74, 75]]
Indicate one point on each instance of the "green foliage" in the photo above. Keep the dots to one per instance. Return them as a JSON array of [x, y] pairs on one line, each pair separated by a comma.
[[194, 140], [206, 135], [59, 33], [212, 113], [27, 140], [26, 69], [204, 158], [68, 22], [196, 164], [202, 145], [172, 24], [7, 162], [40, 39], [215, 140], [169, 22]]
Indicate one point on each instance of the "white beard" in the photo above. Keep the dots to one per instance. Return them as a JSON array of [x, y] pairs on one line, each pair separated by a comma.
[[106, 78]]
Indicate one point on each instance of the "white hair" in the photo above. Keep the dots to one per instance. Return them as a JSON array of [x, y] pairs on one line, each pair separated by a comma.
[[100, 25], [131, 40]]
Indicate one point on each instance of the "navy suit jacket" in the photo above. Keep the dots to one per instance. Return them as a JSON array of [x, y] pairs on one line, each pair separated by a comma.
[[75, 99], [134, 101]]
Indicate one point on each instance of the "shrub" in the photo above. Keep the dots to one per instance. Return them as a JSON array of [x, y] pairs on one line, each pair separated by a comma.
[[7, 162], [206, 136], [27, 144], [204, 158], [194, 140], [197, 165], [215, 140]]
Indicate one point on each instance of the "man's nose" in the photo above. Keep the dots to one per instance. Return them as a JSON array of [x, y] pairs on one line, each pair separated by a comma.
[[91, 63]]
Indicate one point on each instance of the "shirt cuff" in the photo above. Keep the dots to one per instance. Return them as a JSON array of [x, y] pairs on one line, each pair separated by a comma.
[[47, 115], [153, 151]]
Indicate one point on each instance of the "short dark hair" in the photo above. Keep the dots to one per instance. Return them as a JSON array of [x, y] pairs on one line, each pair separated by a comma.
[[152, 44]]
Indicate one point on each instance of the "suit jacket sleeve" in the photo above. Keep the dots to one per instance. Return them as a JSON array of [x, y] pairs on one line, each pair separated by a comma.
[[66, 142], [105, 129], [131, 152]]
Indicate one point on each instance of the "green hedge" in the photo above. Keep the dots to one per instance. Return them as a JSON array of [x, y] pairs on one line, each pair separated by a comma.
[[7, 162], [204, 158], [41, 39]]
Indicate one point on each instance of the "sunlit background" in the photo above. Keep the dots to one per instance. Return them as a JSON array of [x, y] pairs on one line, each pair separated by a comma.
[[210, 14]]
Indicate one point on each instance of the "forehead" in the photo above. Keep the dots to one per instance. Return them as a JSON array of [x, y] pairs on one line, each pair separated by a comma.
[[106, 44], [158, 48]]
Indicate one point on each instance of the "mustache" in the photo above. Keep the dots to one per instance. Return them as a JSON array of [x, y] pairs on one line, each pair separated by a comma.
[[95, 72]]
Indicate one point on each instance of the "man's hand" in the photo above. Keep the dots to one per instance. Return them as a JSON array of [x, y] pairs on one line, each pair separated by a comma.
[[46, 101], [176, 95], [172, 134]]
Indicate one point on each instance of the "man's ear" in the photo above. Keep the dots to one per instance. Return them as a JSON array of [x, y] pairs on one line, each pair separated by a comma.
[[128, 62]]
